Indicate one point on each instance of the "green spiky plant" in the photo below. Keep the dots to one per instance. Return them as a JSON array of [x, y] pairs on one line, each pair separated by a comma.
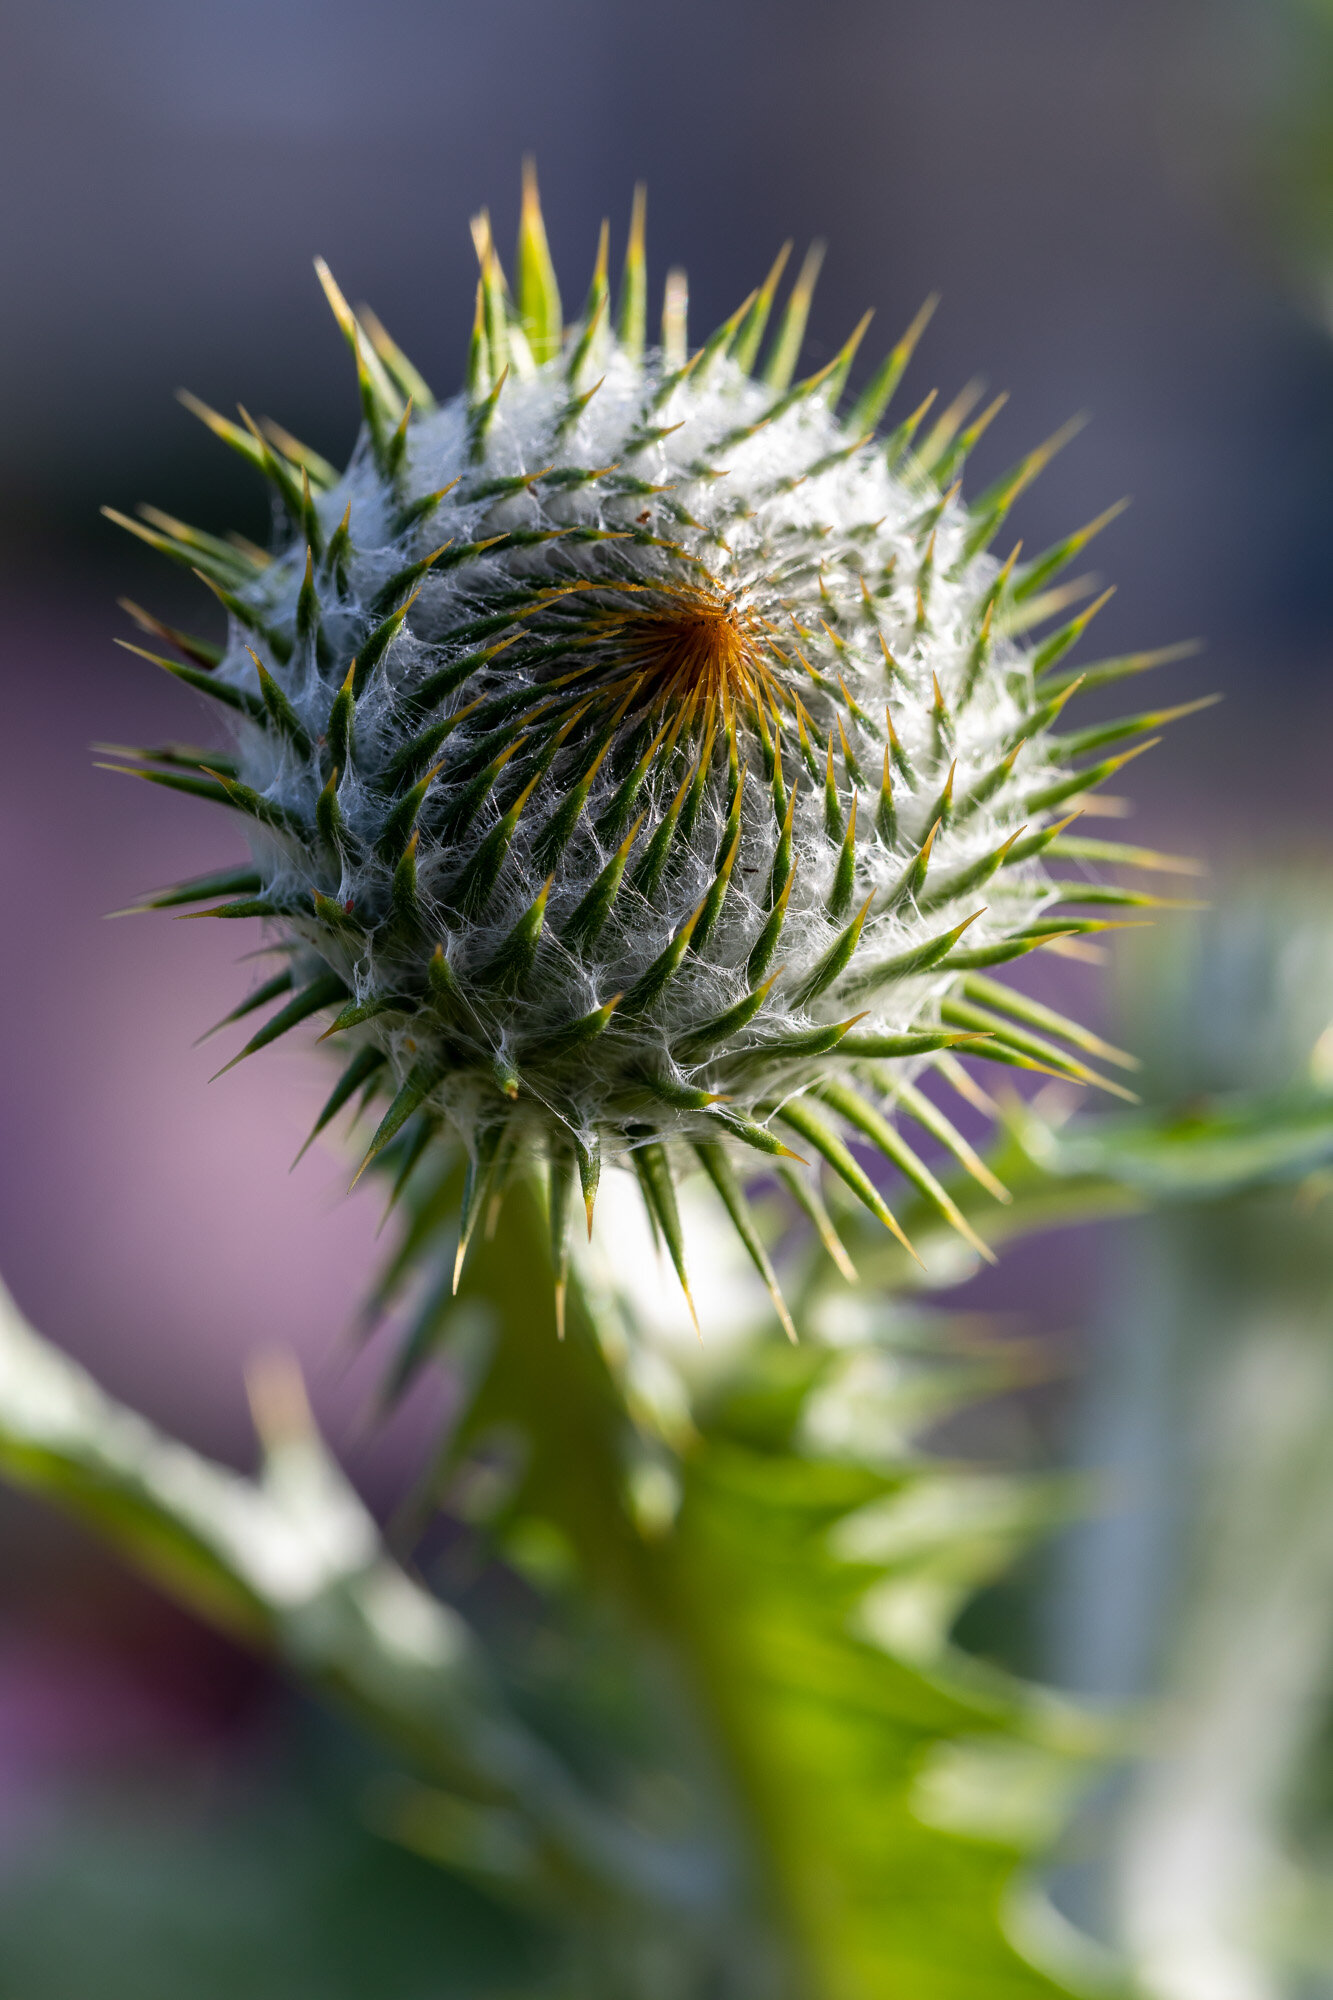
[[642, 753], [643, 762]]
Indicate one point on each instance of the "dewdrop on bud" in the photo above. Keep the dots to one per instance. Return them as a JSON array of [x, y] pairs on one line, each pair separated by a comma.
[[644, 757]]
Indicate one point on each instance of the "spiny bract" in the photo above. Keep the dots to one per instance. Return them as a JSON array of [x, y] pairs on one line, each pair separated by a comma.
[[640, 754]]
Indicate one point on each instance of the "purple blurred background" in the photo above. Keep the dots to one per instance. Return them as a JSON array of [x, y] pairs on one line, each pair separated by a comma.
[[1084, 183]]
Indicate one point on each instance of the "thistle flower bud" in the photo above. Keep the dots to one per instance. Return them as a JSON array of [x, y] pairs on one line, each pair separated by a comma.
[[643, 753]]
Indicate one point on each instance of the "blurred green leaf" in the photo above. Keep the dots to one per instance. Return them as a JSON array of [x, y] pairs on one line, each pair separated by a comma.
[[1093, 1166], [817, 1593], [1197, 1152]]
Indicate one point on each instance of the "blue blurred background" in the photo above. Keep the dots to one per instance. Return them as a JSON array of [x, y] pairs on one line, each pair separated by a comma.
[[1120, 204]]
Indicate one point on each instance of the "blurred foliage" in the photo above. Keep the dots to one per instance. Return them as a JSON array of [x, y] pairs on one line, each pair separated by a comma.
[[1214, 1396], [692, 1715]]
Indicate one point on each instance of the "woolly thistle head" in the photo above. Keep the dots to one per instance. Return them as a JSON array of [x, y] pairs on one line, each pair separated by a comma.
[[643, 756]]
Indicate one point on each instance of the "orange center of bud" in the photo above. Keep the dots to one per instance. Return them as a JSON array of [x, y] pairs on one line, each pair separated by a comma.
[[684, 645]]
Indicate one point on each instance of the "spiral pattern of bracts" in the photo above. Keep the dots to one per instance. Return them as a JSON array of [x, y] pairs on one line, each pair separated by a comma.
[[645, 758]]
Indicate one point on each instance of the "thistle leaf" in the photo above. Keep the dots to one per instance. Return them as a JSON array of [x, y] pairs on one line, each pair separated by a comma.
[[829, 1146], [717, 1166], [805, 1193], [325, 991], [874, 399], [784, 350], [654, 1172], [365, 1065], [865, 1119]]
